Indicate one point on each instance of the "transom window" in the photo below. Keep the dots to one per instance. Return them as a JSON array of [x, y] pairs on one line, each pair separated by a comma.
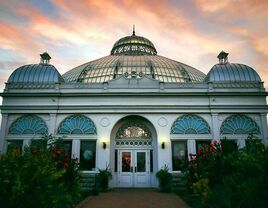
[[133, 131], [190, 124], [133, 134], [77, 124], [29, 125], [239, 124]]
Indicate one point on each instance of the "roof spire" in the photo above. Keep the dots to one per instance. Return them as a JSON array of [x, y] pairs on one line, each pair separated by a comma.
[[133, 33]]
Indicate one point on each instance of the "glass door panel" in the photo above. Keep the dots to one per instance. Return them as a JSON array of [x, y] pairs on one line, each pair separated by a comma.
[[126, 161], [141, 161]]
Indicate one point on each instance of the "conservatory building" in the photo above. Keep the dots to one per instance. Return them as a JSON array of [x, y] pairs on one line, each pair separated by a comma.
[[133, 111]]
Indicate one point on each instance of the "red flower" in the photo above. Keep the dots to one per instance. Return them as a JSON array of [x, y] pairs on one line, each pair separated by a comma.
[[66, 165]]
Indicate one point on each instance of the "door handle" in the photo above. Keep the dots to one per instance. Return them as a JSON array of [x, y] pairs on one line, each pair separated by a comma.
[[131, 169], [135, 169]]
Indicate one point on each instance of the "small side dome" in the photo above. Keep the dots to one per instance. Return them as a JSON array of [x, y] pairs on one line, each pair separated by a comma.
[[231, 72], [36, 73]]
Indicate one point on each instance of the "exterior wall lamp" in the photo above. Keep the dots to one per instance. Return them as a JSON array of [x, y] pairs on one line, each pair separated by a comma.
[[163, 145], [104, 145]]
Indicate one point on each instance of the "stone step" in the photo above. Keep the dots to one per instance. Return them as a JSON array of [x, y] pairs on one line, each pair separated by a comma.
[[88, 181]]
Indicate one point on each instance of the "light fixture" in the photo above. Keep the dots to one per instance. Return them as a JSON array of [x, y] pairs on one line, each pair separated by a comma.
[[104, 145], [163, 145]]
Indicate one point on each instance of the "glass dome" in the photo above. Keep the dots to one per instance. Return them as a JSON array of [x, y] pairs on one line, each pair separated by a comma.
[[134, 45], [133, 54]]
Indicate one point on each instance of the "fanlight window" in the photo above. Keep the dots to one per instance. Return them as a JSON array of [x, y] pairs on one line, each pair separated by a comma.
[[28, 124], [133, 131], [239, 124], [77, 124], [190, 124]]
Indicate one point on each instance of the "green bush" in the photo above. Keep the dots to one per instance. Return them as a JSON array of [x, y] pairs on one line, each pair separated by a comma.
[[224, 176], [165, 179], [39, 178], [104, 176]]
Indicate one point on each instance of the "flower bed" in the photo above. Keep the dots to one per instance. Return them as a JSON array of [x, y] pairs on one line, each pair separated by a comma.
[[43, 175], [220, 175]]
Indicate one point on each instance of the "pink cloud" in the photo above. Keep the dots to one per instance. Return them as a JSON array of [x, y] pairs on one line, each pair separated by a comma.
[[98, 24]]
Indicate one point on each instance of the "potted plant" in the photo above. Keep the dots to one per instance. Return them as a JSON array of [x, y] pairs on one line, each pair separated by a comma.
[[104, 176], [165, 179]]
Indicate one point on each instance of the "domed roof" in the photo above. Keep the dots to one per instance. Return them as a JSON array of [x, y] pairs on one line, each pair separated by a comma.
[[133, 54], [231, 72], [113, 66], [36, 73], [133, 45]]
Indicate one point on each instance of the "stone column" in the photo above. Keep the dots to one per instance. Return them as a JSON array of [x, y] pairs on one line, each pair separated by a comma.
[[75, 148], [241, 143], [191, 146], [3, 133], [52, 124], [264, 127], [215, 126]]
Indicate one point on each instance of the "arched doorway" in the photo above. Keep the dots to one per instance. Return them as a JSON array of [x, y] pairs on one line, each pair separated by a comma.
[[133, 152]]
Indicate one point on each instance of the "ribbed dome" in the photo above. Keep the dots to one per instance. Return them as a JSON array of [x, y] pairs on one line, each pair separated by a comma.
[[133, 45], [232, 72], [113, 66], [36, 73], [133, 55]]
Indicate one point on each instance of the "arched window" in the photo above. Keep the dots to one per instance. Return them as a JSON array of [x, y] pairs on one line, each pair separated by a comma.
[[133, 130], [133, 133], [239, 124], [190, 124], [28, 124], [77, 124]]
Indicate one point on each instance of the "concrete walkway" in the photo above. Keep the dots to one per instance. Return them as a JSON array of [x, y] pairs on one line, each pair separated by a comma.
[[133, 198]]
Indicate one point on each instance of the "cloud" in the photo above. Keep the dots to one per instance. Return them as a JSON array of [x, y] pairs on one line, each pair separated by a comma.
[[193, 32]]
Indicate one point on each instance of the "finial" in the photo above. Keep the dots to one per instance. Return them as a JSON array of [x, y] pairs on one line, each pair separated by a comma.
[[133, 30], [45, 58], [223, 57]]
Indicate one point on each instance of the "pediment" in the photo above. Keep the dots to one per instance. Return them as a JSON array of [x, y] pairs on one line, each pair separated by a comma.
[[134, 82]]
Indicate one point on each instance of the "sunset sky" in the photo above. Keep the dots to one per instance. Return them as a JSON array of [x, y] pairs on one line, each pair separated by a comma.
[[77, 31]]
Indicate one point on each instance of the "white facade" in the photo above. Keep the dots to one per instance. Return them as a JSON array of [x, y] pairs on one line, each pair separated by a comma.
[[149, 102]]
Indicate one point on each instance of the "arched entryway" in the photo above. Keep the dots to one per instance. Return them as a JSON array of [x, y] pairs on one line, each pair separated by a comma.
[[133, 152]]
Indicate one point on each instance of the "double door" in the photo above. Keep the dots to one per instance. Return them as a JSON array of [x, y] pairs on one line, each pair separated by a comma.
[[134, 168]]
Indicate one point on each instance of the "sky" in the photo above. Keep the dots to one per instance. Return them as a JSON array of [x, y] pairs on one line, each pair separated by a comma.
[[77, 31]]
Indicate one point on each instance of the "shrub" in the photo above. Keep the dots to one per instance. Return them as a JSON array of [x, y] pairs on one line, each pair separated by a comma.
[[37, 178], [104, 176], [224, 176], [165, 179]]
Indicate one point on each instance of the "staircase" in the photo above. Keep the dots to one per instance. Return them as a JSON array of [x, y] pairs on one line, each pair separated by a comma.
[[178, 184], [89, 182]]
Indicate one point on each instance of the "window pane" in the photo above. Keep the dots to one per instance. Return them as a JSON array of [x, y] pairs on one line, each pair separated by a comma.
[[179, 154], [141, 161], [68, 148], [115, 160], [14, 147], [228, 146], [202, 145], [87, 155], [126, 161], [151, 161]]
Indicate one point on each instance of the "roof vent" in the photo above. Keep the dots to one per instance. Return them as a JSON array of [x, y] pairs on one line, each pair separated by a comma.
[[223, 57], [45, 58]]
